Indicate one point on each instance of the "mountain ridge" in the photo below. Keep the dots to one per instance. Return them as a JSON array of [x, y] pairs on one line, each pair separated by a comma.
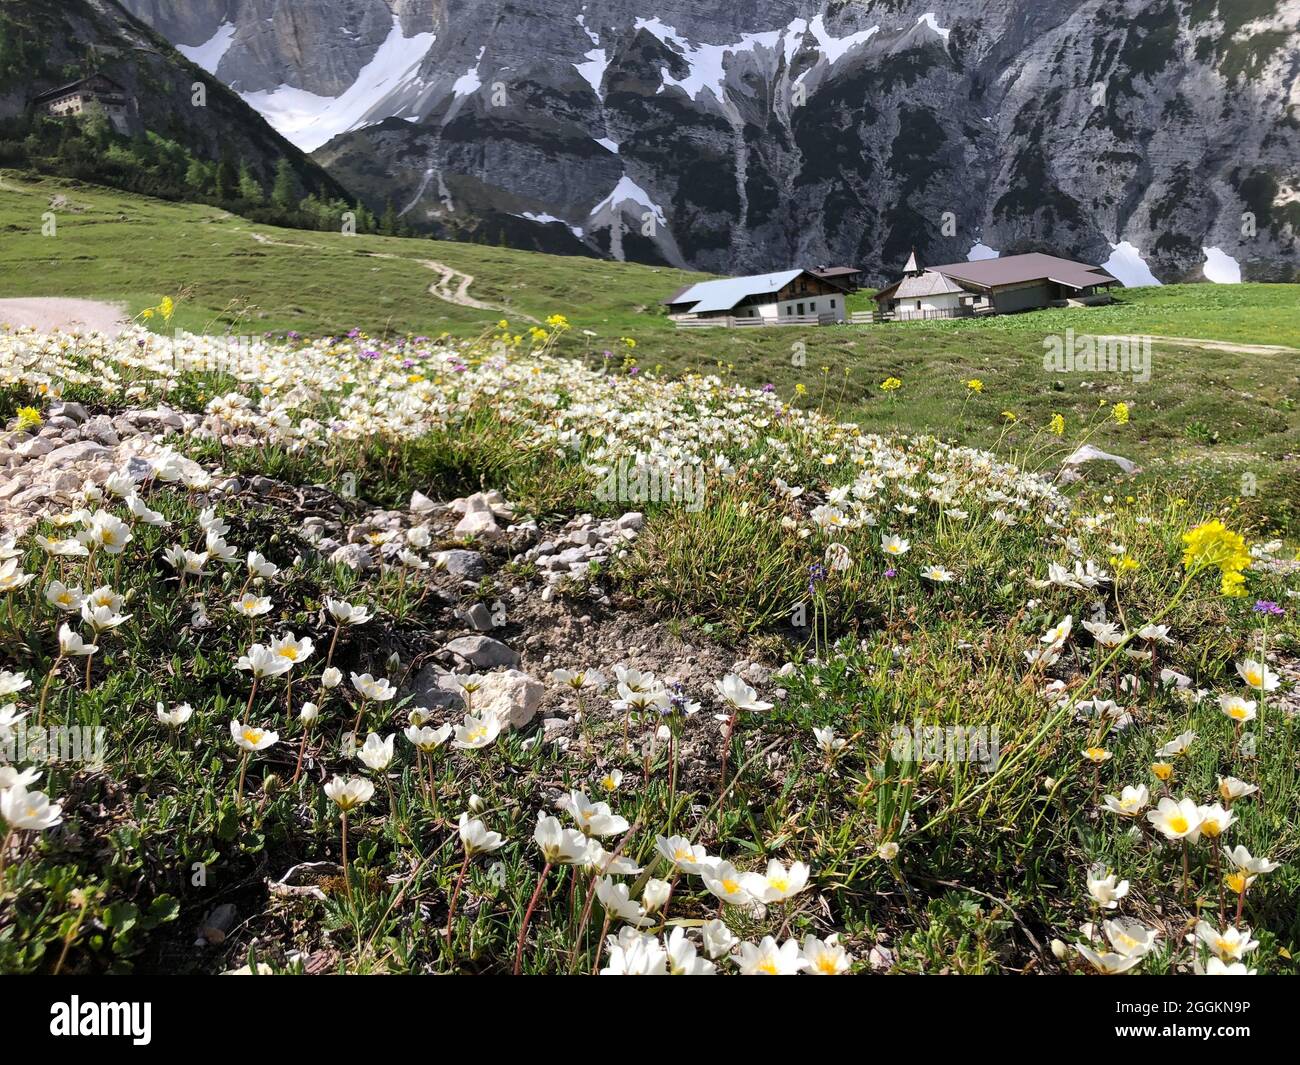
[[778, 131]]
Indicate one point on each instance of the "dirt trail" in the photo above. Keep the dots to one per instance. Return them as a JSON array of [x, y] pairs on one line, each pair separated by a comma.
[[441, 289], [50, 313], [1227, 345]]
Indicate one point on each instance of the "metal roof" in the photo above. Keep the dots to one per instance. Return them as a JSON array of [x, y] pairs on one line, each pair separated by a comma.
[[725, 294], [930, 283], [1019, 269]]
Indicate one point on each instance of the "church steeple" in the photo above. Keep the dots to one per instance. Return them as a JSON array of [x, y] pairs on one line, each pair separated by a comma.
[[913, 268]]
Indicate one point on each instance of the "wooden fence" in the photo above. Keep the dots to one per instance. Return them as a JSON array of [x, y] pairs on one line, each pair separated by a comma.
[[730, 322]]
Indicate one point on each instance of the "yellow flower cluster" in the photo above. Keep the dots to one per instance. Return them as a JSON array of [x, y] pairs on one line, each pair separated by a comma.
[[1213, 544], [975, 385], [891, 384], [29, 418]]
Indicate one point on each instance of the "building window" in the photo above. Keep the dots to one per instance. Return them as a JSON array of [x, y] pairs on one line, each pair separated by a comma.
[[800, 310], [832, 305], [812, 307]]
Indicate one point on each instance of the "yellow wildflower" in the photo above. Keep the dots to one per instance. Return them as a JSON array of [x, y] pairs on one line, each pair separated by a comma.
[[891, 384], [975, 385], [1120, 411], [29, 418], [1057, 424]]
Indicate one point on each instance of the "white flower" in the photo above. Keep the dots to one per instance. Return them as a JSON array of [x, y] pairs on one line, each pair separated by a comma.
[[258, 566], [67, 598], [1244, 863], [252, 739], [141, 511], [263, 662], [1131, 801], [778, 882], [683, 960], [722, 880], [594, 818], [632, 953], [252, 606], [1131, 939], [30, 811], [559, 845], [656, 894], [1239, 709], [887, 851], [101, 618], [687, 856], [176, 716], [331, 678], [107, 533], [11, 683], [293, 650], [369, 688], [309, 713], [767, 959], [1106, 891], [1215, 820], [71, 645], [476, 732], [826, 957], [1218, 967], [611, 780], [377, 753], [1257, 675], [937, 574], [733, 691], [1177, 820], [1230, 945], [475, 837], [345, 613], [718, 939], [1109, 963], [827, 741], [894, 545], [426, 738], [347, 793], [615, 898], [1178, 745], [1232, 789]]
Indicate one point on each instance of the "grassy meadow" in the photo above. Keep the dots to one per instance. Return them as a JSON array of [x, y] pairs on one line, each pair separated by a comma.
[[1121, 652]]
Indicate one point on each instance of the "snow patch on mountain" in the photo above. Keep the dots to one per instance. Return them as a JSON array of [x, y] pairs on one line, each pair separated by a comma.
[[1126, 264], [593, 70], [929, 19], [209, 54], [1220, 267], [628, 191], [309, 120], [833, 48], [980, 251], [470, 82]]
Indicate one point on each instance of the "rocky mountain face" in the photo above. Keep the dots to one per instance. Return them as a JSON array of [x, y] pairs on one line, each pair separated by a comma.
[[762, 133], [43, 47]]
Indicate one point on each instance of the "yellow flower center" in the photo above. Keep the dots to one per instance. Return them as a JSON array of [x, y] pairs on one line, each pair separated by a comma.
[[1178, 823], [290, 652], [730, 886], [779, 883], [252, 735], [767, 966], [826, 965]]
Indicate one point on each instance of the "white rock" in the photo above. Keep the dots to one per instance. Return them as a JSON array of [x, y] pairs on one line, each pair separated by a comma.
[[513, 696]]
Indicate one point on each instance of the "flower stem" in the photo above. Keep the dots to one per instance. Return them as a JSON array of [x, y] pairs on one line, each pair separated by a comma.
[[528, 916]]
